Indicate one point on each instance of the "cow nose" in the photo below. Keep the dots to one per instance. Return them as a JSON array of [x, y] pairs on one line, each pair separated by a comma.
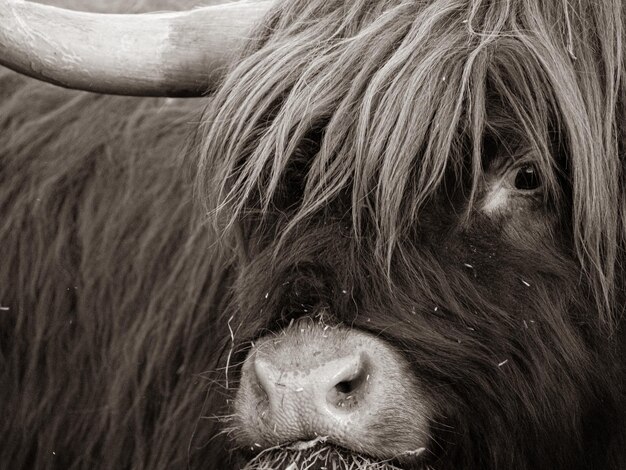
[[335, 390], [348, 387]]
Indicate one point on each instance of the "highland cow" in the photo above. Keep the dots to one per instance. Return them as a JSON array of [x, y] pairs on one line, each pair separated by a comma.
[[392, 238]]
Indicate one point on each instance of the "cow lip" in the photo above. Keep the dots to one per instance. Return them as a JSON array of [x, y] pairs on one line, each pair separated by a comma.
[[304, 450], [308, 444]]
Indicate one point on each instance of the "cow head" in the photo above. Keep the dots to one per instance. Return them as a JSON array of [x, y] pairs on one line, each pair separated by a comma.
[[422, 207], [425, 201]]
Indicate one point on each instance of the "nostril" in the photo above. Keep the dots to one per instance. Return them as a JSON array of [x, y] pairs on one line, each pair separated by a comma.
[[354, 384], [265, 377], [352, 388], [345, 387]]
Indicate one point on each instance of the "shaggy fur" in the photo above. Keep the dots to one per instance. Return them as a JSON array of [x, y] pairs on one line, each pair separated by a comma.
[[340, 168]]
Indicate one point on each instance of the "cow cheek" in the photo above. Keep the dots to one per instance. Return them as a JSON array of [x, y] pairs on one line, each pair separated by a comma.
[[525, 222]]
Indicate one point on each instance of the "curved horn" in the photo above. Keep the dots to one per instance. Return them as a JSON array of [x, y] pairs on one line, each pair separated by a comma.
[[149, 54]]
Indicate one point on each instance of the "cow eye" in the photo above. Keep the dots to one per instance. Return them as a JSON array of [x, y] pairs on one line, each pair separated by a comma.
[[527, 178]]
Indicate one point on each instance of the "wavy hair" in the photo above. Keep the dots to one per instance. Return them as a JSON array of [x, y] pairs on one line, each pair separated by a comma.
[[399, 93]]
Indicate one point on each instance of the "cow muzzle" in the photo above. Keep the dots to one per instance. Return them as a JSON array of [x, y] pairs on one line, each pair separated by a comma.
[[342, 386]]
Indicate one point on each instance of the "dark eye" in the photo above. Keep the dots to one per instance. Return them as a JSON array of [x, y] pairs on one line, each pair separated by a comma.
[[527, 178]]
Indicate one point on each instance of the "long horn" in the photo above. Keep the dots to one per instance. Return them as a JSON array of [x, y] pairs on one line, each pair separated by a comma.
[[149, 54]]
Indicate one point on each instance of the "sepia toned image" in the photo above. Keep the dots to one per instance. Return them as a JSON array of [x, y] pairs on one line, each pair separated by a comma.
[[313, 235]]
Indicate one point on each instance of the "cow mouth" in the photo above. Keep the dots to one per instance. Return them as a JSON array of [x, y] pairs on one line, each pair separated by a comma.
[[318, 454]]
